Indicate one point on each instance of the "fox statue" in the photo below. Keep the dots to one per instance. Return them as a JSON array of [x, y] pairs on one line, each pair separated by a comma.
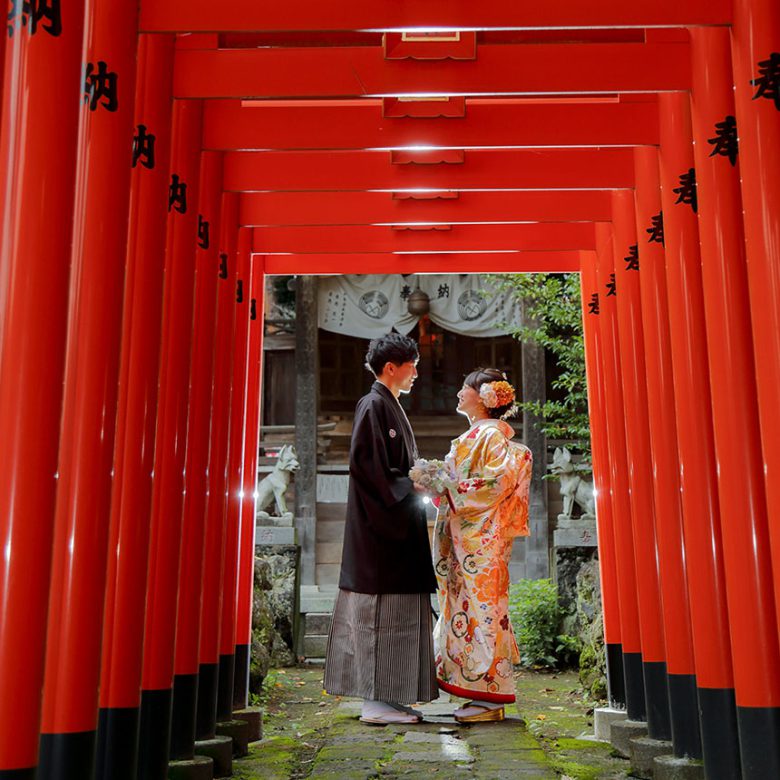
[[274, 486], [574, 489]]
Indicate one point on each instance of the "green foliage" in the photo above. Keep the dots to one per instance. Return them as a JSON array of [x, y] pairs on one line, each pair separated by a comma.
[[536, 616], [553, 320], [284, 294], [567, 650], [276, 682]]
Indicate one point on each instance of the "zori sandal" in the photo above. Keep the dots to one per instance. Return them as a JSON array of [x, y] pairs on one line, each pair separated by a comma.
[[407, 710], [391, 718], [488, 714]]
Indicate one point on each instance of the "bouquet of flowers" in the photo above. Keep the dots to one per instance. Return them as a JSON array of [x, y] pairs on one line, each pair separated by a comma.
[[433, 475]]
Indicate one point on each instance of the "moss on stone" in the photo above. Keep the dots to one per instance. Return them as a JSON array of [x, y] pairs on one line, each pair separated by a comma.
[[271, 759], [565, 743], [365, 751], [503, 739], [591, 671], [576, 771], [315, 736], [589, 610], [262, 629]]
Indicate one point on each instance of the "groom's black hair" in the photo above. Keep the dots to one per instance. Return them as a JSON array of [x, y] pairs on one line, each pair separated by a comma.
[[391, 348]]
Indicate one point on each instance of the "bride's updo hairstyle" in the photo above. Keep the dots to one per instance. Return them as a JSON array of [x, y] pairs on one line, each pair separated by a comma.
[[484, 376]]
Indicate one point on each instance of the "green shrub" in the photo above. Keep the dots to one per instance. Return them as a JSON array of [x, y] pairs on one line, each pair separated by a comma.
[[536, 618], [567, 650], [535, 615]]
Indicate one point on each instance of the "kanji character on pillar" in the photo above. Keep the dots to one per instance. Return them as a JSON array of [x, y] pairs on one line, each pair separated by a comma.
[[656, 229], [632, 260], [100, 85], [593, 304], [611, 286], [33, 12], [768, 81], [725, 142], [177, 195], [143, 147], [686, 192], [203, 232]]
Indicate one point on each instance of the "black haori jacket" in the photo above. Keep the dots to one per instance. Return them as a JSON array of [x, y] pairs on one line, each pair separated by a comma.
[[386, 547]]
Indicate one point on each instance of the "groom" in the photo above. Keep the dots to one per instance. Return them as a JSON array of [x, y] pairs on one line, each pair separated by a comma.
[[380, 647]]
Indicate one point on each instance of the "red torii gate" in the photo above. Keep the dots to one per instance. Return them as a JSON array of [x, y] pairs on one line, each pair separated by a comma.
[[679, 246], [311, 125]]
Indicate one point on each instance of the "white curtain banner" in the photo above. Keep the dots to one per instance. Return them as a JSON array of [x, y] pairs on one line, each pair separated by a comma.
[[371, 305], [365, 306]]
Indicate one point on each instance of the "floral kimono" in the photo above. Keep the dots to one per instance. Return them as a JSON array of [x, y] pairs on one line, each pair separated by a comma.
[[474, 644]]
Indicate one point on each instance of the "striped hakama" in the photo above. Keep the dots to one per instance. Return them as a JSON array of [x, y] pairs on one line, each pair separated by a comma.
[[380, 647]]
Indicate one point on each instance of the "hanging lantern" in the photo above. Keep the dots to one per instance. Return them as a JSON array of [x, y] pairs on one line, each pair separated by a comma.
[[419, 303]]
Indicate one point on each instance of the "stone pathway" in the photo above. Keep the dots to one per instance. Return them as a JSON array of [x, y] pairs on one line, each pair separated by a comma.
[[312, 735]]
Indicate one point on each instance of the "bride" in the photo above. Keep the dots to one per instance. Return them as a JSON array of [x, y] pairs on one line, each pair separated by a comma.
[[475, 647]]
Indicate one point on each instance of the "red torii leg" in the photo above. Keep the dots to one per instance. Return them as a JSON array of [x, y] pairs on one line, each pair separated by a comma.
[[131, 499], [227, 631], [618, 480], [246, 559], [634, 381], [594, 359], [73, 642], [755, 44], [674, 560], [185, 681], [208, 656], [41, 97], [747, 564], [745, 521], [170, 452]]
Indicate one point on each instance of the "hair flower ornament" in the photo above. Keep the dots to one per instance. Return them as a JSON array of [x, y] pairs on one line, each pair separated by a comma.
[[495, 394]]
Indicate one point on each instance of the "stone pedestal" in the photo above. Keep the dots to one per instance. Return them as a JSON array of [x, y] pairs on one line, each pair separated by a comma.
[[315, 647], [623, 731], [643, 751], [271, 535], [603, 718], [586, 521], [575, 533], [253, 716], [220, 751], [198, 768], [673, 768], [285, 520], [238, 731]]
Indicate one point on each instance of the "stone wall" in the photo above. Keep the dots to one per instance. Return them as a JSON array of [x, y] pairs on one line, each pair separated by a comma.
[[590, 620], [262, 626], [274, 610], [579, 588]]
